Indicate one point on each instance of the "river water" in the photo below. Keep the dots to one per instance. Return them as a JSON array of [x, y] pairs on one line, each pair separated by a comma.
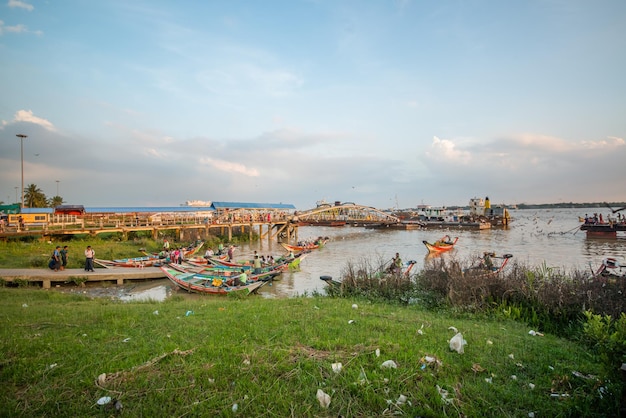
[[549, 237]]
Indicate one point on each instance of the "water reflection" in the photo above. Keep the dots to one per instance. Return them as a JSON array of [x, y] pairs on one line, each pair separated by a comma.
[[157, 293]]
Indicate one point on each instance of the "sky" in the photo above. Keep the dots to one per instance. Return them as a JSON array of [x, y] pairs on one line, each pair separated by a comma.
[[390, 104]]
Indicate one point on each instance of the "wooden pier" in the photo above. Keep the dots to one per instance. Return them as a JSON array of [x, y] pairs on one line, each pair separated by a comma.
[[48, 277], [283, 229]]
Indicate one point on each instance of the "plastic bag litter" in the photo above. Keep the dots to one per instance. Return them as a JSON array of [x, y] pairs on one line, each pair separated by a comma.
[[389, 364], [378, 352], [355, 306], [104, 400], [323, 398], [457, 343], [444, 395], [336, 367]]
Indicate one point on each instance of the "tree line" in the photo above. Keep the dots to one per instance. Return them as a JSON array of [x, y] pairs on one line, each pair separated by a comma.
[[34, 197]]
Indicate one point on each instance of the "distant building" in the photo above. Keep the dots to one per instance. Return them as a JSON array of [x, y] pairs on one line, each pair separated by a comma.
[[197, 203]]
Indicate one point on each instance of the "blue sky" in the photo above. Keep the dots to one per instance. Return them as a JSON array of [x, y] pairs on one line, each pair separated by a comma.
[[381, 103]]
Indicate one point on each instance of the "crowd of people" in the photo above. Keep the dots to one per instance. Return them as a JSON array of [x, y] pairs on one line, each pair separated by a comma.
[[598, 219]]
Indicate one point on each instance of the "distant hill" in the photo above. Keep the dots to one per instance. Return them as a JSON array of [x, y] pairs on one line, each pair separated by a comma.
[[571, 205]]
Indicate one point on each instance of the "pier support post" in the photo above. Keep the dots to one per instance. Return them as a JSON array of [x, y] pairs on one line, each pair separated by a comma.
[[120, 282], [46, 284]]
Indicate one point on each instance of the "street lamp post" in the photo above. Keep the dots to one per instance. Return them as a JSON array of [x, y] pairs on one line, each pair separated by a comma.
[[21, 137]]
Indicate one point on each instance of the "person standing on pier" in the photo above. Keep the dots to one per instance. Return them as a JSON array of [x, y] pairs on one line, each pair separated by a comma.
[[64, 252], [166, 245], [231, 252], [89, 255]]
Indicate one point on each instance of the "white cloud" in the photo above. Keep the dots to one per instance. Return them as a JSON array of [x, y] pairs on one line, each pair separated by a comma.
[[230, 167], [21, 5], [27, 116], [447, 150], [610, 142], [12, 29]]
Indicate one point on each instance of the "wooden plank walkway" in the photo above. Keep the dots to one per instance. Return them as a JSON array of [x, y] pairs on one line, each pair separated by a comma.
[[47, 277]]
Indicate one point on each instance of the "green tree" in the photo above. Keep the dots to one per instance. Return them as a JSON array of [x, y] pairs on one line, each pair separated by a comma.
[[56, 201], [34, 197]]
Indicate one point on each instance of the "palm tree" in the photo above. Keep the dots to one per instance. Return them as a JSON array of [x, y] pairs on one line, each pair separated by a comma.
[[34, 197], [56, 201]]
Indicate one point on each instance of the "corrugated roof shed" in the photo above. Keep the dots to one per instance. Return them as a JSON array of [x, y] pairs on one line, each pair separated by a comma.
[[244, 205], [37, 210], [156, 209]]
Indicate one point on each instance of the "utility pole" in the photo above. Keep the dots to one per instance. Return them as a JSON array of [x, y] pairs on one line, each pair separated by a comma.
[[21, 137]]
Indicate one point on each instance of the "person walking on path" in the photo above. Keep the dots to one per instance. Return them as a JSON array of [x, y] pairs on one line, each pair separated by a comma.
[[64, 252], [89, 255], [55, 261]]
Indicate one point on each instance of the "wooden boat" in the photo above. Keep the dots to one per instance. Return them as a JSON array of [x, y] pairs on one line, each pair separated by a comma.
[[285, 262], [445, 243], [225, 273], [322, 223], [487, 267], [335, 285], [303, 247], [199, 283], [609, 270], [136, 262], [188, 251]]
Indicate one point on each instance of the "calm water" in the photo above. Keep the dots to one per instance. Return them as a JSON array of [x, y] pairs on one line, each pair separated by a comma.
[[534, 237]]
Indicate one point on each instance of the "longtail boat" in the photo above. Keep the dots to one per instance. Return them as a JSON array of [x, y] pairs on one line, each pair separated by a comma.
[[283, 261], [136, 262], [305, 246], [199, 283], [487, 266], [226, 273], [609, 269], [383, 272], [445, 243]]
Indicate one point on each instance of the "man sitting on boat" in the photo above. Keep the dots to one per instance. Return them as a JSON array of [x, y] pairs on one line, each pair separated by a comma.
[[486, 262], [446, 240], [396, 264], [242, 279]]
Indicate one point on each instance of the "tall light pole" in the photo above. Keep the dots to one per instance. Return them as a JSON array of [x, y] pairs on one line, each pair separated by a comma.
[[21, 137]]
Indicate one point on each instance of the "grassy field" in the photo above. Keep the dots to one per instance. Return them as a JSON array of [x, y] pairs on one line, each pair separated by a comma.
[[257, 357], [37, 253]]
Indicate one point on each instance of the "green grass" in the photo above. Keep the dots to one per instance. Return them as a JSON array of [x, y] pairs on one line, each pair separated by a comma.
[[36, 253], [269, 357]]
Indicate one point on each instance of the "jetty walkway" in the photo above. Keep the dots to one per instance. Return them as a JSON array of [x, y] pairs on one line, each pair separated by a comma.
[[47, 277]]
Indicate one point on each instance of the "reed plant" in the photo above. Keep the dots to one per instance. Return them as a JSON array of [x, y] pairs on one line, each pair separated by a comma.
[[209, 356]]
